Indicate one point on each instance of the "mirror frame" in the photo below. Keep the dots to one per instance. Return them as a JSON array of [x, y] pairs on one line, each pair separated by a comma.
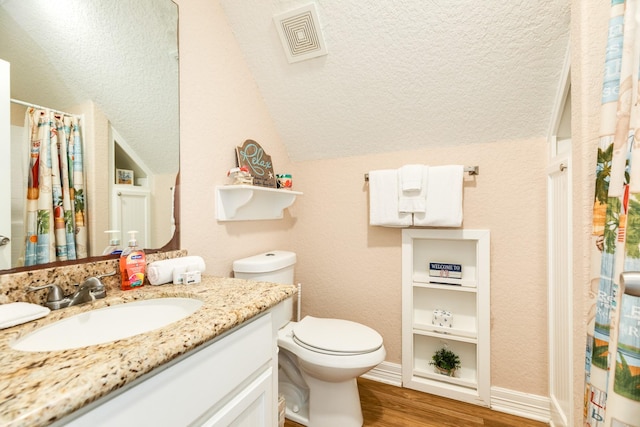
[[172, 245]]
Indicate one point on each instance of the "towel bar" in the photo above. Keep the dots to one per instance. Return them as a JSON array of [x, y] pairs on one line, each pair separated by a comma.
[[472, 170]]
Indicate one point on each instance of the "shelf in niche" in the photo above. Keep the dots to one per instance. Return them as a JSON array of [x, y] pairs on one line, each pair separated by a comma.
[[454, 334], [439, 378], [252, 202], [445, 281]]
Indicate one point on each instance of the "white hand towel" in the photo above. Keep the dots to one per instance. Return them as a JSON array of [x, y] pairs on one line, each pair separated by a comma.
[[161, 272], [414, 200], [383, 200], [444, 198], [16, 313], [411, 177]]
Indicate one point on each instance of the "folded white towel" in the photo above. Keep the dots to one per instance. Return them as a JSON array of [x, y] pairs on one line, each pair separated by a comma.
[[161, 272], [383, 200], [414, 200], [411, 177], [16, 313], [444, 198]]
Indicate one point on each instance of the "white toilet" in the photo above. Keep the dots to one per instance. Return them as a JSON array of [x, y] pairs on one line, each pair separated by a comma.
[[319, 359]]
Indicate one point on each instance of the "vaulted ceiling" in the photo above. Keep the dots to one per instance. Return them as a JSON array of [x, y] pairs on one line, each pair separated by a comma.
[[398, 74], [406, 74]]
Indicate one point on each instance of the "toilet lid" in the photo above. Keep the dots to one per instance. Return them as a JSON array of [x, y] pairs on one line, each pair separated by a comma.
[[336, 336]]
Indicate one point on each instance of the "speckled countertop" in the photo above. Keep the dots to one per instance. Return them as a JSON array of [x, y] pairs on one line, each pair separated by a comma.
[[38, 388]]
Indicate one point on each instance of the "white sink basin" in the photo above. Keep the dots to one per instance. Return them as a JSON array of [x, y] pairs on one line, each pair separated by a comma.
[[107, 324]]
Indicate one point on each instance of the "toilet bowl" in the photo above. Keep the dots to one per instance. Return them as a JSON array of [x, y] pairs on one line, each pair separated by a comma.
[[319, 358]]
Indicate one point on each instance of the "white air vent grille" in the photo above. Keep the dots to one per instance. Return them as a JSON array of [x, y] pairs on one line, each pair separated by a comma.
[[300, 34]]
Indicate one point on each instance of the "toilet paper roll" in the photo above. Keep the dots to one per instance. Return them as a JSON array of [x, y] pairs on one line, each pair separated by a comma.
[[161, 272]]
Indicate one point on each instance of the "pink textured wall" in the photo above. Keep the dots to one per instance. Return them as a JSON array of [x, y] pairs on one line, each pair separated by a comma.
[[220, 108], [352, 270], [349, 269]]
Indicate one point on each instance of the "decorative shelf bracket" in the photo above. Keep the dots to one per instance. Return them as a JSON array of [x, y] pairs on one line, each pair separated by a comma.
[[251, 202]]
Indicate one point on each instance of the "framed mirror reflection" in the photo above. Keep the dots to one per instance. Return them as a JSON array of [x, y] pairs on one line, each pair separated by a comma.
[[114, 66]]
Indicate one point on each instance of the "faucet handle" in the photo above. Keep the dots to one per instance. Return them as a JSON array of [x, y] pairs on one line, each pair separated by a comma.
[[94, 286], [92, 283], [55, 292], [100, 276], [55, 298]]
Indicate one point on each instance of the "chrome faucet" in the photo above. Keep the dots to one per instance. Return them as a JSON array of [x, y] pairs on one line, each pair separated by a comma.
[[90, 290]]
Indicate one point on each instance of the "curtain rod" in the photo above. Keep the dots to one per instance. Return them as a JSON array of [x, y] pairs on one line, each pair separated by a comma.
[[471, 170], [29, 104]]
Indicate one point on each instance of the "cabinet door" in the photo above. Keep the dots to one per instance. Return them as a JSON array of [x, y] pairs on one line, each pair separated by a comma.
[[249, 408]]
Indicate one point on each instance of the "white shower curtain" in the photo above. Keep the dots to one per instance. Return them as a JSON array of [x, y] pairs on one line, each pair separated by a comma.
[[612, 365], [55, 224]]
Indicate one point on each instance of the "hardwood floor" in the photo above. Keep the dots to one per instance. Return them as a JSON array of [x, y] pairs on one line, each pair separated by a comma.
[[384, 405]]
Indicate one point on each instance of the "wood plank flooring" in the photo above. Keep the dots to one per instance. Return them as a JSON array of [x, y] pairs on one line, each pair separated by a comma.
[[385, 405]]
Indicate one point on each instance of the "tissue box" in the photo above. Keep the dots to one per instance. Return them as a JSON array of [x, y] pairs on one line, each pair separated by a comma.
[[442, 318]]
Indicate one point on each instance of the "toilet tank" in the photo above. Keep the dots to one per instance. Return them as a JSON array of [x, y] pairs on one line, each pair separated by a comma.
[[276, 267], [273, 266]]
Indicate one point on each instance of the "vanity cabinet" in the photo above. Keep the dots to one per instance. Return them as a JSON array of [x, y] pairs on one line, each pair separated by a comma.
[[231, 381], [430, 300]]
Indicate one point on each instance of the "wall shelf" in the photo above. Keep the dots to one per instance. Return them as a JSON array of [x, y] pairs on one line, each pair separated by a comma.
[[252, 202]]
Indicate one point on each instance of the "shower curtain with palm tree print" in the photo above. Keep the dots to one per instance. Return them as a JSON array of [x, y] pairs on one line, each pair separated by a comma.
[[612, 365], [55, 223]]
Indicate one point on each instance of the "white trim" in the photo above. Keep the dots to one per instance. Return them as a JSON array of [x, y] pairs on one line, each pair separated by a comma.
[[386, 372], [560, 100], [560, 291], [5, 163], [524, 405], [559, 275]]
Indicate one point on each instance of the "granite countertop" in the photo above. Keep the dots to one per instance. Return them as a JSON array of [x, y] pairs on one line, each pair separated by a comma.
[[38, 388]]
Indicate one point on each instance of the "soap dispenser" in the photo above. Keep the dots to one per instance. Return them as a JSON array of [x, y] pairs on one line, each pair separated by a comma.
[[114, 243], [132, 265]]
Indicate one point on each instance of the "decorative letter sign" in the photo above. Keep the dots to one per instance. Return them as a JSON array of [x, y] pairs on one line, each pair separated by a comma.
[[259, 163]]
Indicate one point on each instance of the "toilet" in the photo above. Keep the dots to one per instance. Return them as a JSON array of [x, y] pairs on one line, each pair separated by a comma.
[[319, 359]]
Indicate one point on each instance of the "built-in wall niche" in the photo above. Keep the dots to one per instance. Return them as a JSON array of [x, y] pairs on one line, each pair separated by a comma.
[[431, 294]]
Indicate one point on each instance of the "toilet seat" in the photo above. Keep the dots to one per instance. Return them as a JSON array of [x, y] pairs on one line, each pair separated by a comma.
[[336, 336]]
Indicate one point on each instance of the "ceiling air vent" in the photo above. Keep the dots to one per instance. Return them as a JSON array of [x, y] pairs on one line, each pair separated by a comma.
[[300, 34]]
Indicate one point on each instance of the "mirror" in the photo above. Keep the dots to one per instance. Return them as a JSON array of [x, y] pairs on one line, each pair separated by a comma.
[[116, 65]]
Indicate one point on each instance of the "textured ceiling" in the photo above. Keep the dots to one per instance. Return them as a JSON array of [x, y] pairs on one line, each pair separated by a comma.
[[121, 55], [405, 74]]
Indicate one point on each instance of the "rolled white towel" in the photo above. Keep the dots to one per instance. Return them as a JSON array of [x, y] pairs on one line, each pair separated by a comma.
[[161, 272]]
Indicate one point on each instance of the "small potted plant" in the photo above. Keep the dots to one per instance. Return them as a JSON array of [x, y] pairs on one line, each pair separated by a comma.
[[445, 361]]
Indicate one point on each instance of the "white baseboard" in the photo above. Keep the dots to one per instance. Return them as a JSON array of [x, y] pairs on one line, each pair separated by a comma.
[[521, 404], [512, 402], [386, 372]]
